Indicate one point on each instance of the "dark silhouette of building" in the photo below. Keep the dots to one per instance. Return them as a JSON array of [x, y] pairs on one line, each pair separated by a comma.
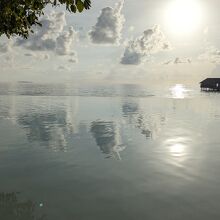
[[210, 84]]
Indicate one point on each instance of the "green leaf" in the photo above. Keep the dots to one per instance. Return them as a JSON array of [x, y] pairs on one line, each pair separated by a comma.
[[17, 17], [87, 4], [80, 5], [73, 8]]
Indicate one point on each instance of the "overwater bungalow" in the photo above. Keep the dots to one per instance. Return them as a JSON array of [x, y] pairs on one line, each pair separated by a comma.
[[210, 84]]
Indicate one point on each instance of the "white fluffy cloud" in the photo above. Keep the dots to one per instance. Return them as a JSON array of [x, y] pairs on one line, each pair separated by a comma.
[[41, 56], [150, 42], [65, 41], [211, 54], [6, 54], [63, 68], [109, 25], [51, 36], [178, 60], [6, 47], [73, 60]]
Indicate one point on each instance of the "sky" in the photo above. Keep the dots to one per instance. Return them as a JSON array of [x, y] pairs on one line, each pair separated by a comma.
[[120, 41]]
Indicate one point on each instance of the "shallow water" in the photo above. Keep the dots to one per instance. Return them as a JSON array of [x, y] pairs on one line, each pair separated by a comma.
[[108, 152]]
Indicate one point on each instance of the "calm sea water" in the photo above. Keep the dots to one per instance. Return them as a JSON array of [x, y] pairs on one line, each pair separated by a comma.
[[108, 152]]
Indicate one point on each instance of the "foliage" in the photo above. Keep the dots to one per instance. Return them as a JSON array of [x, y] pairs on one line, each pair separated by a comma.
[[17, 17]]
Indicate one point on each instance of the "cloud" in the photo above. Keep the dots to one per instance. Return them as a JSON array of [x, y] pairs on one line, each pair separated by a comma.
[[51, 37], [41, 56], [7, 54], [44, 38], [63, 68], [72, 60], [29, 54], [178, 60], [211, 54], [150, 42], [109, 25], [6, 47], [65, 41]]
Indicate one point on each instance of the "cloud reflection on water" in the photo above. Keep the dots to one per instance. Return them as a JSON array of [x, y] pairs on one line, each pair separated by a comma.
[[107, 136], [173, 151], [48, 129], [46, 123], [149, 125]]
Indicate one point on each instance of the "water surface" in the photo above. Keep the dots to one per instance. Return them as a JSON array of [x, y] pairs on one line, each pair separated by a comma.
[[108, 152]]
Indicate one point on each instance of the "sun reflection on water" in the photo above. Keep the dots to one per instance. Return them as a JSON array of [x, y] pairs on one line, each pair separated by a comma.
[[177, 149], [177, 146], [178, 91]]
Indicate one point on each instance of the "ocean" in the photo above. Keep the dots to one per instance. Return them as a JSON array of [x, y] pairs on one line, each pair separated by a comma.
[[103, 152]]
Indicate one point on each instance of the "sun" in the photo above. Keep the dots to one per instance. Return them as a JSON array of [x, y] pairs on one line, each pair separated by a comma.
[[184, 16]]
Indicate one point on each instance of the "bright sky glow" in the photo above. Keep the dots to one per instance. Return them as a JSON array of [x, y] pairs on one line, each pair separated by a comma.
[[173, 41], [184, 16]]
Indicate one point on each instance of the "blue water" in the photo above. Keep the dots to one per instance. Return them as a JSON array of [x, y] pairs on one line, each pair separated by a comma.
[[108, 152]]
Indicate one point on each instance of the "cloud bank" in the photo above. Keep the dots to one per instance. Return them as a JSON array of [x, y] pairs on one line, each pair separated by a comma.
[[51, 36], [150, 42], [6, 47], [109, 25], [178, 60], [211, 54]]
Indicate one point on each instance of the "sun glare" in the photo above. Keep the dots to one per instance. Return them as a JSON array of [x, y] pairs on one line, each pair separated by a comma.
[[178, 92], [184, 16]]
